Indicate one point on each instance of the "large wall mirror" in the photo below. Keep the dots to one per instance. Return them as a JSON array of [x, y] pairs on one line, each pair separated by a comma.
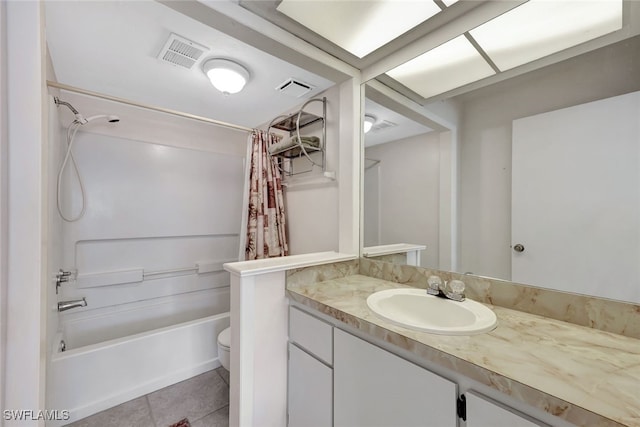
[[504, 134], [541, 172]]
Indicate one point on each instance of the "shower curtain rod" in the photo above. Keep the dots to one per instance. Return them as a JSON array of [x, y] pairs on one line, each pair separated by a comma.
[[147, 106]]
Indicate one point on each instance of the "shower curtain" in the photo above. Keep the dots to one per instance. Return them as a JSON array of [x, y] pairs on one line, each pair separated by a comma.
[[266, 225]]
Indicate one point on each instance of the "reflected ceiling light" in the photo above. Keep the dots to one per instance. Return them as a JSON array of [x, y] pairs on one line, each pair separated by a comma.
[[542, 27], [225, 75], [368, 123], [448, 66], [359, 27]]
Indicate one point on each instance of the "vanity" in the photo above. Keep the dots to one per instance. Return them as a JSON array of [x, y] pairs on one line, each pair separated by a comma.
[[348, 366]]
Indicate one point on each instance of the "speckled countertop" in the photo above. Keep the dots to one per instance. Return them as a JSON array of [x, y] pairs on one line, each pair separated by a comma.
[[585, 376]]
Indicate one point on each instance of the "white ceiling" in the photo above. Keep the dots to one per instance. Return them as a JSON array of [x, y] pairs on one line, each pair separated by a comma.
[[111, 47]]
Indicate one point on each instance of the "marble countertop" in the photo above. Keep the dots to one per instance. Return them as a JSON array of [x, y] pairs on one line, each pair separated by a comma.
[[585, 376]]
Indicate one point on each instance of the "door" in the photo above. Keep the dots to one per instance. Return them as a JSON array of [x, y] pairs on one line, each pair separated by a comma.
[[373, 387], [576, 198], [310, 390]]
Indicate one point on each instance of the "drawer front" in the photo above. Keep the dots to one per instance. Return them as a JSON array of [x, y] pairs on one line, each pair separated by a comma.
[[312, 334]]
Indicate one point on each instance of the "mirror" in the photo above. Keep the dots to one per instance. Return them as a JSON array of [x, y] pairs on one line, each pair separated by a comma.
[[472, 194]]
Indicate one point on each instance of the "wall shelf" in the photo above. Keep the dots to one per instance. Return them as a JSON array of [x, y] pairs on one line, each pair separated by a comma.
[[299, 145]]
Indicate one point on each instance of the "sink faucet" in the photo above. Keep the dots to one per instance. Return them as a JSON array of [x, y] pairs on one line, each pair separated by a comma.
[[454, 289]]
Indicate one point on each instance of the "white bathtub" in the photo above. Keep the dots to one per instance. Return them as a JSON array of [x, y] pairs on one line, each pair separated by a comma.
[[95, 377]]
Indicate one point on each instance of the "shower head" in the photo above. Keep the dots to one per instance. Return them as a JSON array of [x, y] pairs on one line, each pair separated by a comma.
[[110, 118], [80, 119]]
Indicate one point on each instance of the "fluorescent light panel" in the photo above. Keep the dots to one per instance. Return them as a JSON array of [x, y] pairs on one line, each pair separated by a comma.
[[359, 27], [448, 66], [542, 27]]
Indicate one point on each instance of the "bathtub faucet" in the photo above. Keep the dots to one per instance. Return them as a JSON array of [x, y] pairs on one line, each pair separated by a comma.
[[66, 305]]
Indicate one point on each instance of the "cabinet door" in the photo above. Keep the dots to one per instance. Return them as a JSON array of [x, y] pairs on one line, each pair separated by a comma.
[[482, 412], [373, 387], [310, 385]]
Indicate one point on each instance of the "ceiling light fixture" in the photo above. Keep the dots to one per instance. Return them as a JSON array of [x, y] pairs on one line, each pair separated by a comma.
[[541, 27], [449, 66], [225, 75], [368, 123], [342, 23]]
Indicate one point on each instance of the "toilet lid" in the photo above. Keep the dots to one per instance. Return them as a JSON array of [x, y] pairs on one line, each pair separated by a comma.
[[224, 338]]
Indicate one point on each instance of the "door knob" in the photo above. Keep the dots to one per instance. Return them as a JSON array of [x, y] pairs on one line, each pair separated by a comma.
[[518, 248]]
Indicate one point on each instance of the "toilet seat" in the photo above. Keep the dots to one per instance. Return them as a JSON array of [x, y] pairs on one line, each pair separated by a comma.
[[224, 338]]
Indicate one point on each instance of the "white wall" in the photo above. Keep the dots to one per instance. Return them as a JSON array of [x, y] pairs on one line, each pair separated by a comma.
[[3, 195], [485, 132], [409, 193], [311, 202], [24, 375]]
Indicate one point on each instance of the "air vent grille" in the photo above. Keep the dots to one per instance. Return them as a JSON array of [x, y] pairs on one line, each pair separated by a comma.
[[294, 88], [384, 124], [181, 51]]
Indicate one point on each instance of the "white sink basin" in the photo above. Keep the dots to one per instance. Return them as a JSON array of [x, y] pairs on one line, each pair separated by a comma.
[[415, 309]]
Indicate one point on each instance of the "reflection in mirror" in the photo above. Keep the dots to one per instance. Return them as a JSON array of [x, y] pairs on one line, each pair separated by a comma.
[[401, 175], [548, 160]]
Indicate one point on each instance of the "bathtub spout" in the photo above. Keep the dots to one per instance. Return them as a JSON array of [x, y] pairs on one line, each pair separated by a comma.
[[66, 305]]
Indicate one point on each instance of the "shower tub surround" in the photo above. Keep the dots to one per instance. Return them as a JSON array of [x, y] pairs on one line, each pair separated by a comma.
[[580, 353], [163, 203]]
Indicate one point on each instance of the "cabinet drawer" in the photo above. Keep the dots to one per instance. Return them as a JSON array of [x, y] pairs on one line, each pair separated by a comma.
[[312, 334]]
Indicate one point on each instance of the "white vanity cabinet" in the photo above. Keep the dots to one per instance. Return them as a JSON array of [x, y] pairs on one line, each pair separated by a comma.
[[337, 379], [373, 387], [482, 412], [310, 376]]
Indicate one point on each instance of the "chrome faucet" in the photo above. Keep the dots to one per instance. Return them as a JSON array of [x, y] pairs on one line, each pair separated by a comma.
[[453, 289], [67, 305]]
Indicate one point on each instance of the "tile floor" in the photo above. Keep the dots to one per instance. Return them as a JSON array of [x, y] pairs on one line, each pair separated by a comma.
[[203, 399]]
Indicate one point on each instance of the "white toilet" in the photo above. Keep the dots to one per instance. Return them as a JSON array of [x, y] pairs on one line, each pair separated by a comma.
[[224, 345]]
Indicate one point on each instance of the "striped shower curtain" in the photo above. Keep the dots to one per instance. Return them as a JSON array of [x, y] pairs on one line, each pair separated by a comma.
[[266, 227]]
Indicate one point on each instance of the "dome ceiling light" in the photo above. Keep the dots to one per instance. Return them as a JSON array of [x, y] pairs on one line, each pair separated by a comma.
[[369, 121], [225, 75]]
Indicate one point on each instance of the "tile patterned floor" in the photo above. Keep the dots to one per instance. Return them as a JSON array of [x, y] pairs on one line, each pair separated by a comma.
[[203, 399]]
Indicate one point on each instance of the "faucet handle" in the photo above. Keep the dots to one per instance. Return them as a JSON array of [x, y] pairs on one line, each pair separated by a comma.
[[435, 284], [457, 286]]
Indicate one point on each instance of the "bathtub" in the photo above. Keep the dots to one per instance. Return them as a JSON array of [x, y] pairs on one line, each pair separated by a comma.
[[95, 377]]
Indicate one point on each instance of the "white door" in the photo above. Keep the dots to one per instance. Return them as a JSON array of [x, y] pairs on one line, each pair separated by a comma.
[[373, 387], [576, 199]]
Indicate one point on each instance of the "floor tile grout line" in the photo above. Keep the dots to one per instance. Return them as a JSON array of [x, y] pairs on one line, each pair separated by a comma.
[[153, 419], [210, 413]]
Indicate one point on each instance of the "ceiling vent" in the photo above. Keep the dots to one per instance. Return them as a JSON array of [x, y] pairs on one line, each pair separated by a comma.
[[181, 52], [384, 124], [294, 88]]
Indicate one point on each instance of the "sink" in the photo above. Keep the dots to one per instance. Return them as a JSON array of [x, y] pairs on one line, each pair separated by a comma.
[[415, 309]]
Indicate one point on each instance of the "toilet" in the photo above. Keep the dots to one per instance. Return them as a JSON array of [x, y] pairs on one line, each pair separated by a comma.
[[224, 345]]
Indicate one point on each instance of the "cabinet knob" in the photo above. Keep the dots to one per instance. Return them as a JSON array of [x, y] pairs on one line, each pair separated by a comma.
[[518, 248]]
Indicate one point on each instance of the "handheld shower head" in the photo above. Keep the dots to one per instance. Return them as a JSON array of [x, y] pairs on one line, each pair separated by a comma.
[[110, 118]]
